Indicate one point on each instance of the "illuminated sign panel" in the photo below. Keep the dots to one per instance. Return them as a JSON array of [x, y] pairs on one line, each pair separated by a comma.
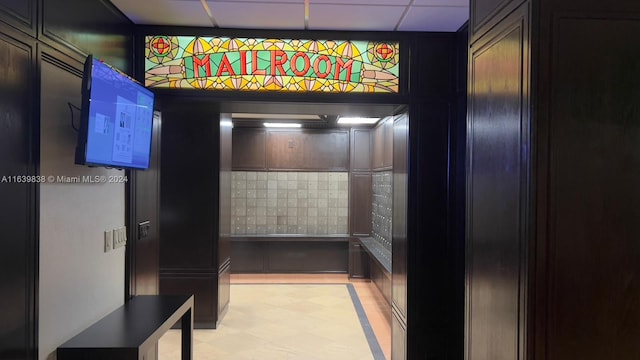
[[253, 64]]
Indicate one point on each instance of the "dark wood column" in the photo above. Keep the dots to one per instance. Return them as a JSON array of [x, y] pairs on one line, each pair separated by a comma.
[[224, 208], [189, 205], [431, 326]]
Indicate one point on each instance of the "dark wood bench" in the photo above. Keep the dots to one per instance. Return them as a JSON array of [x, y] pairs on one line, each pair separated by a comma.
[[130, 331]]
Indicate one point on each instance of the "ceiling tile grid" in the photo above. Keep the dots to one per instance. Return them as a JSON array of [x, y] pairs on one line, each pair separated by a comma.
[[434, 18], [354, 17], [348, 15], [164, 12], [258, 14]]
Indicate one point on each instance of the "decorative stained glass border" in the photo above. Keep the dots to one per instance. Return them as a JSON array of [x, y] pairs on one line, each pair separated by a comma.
[[255, 64]]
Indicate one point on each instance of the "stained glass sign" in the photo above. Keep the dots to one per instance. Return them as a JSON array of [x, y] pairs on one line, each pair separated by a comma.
[[253, 64]]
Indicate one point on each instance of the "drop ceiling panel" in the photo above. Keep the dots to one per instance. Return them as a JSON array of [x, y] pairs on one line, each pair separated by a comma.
[[445, 3], [269, 1], [164, 12], [354, 17], [430, 18], [258, 15], [364, 2]]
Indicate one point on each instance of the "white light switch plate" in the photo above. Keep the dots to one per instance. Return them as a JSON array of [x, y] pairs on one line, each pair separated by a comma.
[[108, 241], [119, 237]]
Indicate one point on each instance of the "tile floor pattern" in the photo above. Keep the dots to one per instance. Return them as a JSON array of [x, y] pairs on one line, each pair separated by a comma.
[[281, 322]]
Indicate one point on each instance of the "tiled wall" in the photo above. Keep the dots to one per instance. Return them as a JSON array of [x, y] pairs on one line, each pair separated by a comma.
[[381, 216], [306, 203]]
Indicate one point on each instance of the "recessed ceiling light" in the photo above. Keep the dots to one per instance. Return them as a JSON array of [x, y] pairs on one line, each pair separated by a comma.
[[357, 120], [275, 116], [282, 125]]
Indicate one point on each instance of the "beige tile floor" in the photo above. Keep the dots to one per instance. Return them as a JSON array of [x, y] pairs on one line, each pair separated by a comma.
[[245, 328]]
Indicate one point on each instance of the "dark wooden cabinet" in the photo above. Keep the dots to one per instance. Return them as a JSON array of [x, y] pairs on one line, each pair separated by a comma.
[[378, 146], [383, 145], [289, 254], [248, 257], [382, 279], [361, 150], [358, 260], [360, 204]]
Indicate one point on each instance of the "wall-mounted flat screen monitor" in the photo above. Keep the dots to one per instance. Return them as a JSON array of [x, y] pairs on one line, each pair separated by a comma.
[[116, 119]]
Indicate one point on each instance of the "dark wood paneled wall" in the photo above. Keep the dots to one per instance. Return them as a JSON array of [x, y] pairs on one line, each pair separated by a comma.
[[18, 208], [587, 273], [20, 14], [249, 149], [22, 47], [284, 150], [308, 150], [559, 281], [101, 30]]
